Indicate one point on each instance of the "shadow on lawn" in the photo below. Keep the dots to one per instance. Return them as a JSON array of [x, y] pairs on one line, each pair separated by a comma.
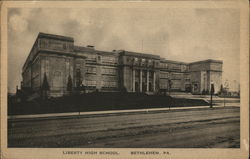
[[99, 101]]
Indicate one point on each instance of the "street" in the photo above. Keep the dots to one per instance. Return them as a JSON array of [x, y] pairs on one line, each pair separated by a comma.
[[192, 128]]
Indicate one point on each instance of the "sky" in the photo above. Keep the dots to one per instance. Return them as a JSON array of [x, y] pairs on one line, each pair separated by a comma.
[[186, 34]]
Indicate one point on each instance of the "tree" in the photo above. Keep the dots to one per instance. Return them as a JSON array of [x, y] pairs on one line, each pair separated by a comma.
[[78, 79], [203, 92], [69, 84], [221, 89], [211, 98], [45, 86], [212, 89], [170, 83]]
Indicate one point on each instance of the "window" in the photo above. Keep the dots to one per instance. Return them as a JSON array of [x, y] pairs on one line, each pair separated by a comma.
[[64, 46], [91, 57], [175, 67], [90, 83], [151, 75], [78, 65], [176, 84], [137, 73], [163, 83], [91, 70], [109, 78], [184, 68], [108, 59], [109, 84], [143, 61], [176, 76], [164, 75], [109, 71], [150, 62]]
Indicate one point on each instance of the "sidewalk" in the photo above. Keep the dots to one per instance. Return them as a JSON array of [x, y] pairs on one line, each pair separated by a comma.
[[71, 114], [204, 97]]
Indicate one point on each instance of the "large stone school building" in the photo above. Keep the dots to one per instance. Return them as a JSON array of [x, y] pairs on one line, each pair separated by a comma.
[[55, 59]]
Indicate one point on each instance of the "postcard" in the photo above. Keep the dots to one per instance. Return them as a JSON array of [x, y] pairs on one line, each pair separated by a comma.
[[124, 79]]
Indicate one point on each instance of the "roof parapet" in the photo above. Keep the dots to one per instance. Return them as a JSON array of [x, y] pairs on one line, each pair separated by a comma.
[[207, 61], [56, 37]]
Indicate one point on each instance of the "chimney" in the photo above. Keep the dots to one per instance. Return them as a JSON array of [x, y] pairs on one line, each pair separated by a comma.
[[91, 47]]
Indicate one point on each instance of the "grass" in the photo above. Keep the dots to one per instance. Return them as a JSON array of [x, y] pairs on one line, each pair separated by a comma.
[[99, 101]]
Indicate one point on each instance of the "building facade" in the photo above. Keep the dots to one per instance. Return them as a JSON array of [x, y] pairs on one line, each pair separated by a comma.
[[56, 60]]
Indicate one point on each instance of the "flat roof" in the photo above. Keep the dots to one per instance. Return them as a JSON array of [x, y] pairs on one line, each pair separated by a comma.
[[207, 61], [56, 37], [175, 62], [92, 50], [131, 53]]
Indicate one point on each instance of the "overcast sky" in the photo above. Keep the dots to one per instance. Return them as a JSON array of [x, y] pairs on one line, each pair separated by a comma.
[[176, 34]]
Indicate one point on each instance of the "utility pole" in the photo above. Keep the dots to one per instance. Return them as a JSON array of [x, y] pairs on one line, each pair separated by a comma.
[[224, 101], [224, 91], [211, 98], [169, 89]]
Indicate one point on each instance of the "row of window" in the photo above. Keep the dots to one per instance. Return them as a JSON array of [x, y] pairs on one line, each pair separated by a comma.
[[163, 65], [142, 62], [90, 83], [164, 75], [55, 44], [108, 59], [109, 84], [173, 75], [109, 78], [144, 73], [109, 71], [176, 76], [90, 69], [104, 59], [176, 67], [164, 84], [176, 84], [91, 57], [103, 83]]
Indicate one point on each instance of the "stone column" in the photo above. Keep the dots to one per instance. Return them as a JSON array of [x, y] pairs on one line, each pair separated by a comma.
[[147, 80], [140, 80], [133, 80], [154, 81]]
